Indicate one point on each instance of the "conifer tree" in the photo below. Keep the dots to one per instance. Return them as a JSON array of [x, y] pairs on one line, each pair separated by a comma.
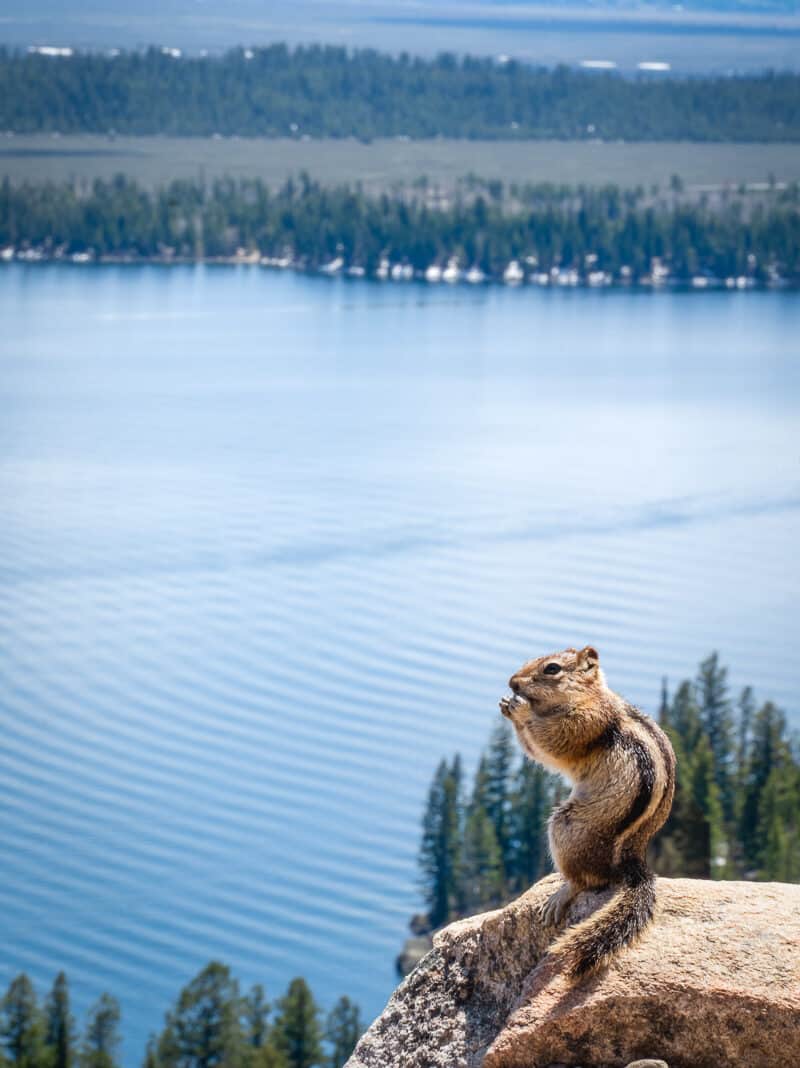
[[685, 716], [778, 825], [702, 831], [499, 761], [204, 1030], [766, 745], [457, 773], [269, 1056], [746, 708], [530, 810], [481, 871], [296, 1030], [440, 845], [257, 1010], [151, 1054], [342, 1032], [167, 1052], [715, 715], [21, 1025], [59, 1023], [101, 1039]]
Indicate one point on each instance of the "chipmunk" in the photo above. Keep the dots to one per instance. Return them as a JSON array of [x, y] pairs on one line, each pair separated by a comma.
[[622, 768]]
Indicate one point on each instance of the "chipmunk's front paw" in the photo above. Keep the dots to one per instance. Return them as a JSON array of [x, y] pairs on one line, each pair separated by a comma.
[[511, 704], [555, 908]]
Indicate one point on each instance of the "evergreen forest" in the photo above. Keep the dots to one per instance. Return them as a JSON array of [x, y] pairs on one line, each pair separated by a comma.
[[736, 813], [212, 1023], [326, 91], [604, 233]]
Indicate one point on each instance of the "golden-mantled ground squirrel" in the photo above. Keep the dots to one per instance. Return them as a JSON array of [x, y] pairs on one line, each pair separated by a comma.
[[622, 768]]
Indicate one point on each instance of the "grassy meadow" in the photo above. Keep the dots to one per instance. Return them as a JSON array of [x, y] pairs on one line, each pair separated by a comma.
[[381, 164]]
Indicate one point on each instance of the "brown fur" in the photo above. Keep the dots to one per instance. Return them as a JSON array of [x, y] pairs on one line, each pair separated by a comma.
[[622, 769]]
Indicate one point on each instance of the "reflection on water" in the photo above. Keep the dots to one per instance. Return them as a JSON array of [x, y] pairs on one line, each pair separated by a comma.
[[271, 545]]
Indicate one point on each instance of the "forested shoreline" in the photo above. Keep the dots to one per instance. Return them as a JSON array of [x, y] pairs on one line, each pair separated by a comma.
[[327, 91], [212, 1022], [736, 813], [544, 234]]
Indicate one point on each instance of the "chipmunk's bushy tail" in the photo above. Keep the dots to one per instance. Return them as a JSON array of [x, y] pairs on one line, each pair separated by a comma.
[[615, 925]]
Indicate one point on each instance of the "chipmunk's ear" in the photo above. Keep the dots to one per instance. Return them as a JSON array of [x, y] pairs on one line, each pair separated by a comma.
[[588, 659]]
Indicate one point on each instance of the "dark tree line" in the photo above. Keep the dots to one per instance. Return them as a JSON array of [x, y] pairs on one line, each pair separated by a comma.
[[736, 812], [212, 1025], [547, 227], [34, 1036], [332, 92], [481, 845]]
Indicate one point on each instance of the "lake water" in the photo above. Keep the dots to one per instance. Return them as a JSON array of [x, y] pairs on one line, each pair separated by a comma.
[[271, 545]]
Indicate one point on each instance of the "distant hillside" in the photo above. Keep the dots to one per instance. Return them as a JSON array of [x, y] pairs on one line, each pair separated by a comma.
[[326, 91]]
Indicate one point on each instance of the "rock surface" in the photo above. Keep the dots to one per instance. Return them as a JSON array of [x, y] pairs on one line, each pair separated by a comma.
[[413, 951], [714, 983]]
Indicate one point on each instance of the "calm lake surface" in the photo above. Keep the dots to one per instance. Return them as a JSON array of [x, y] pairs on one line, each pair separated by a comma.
[[271, 545]]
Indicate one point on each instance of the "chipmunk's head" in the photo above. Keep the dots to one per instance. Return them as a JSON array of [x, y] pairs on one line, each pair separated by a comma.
[[554, 685]]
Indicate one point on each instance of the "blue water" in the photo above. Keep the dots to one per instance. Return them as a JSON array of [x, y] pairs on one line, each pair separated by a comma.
[[271, 545]]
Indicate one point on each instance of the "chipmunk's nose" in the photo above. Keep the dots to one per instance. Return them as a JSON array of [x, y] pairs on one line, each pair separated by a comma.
[[514, 684]]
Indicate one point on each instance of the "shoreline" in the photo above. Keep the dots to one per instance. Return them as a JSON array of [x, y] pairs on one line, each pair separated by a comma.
[[449, 276]]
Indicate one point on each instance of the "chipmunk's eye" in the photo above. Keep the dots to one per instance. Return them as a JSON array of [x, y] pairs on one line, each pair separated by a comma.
[[552, 669]]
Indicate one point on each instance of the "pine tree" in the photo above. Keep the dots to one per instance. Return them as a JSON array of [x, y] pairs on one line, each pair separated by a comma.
[[481, 870], [101, 1039], [499, 762], [530, 810], [257, 1010], [167, 1052], [457, 774], [342, 1031], [296, 1032], [715, 716], [766, 745], [685, 716], [21, 1025], [151, 1054], [439, 848], [702, 832], [269, 1056], [776, 858], [59, 1024], [746, 708], [779, 821], [204, 1030]]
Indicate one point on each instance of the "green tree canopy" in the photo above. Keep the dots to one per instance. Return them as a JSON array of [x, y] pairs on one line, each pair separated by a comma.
[[59, 1024], [22, 1025], [276, 91], [342, 1031], [439, 849], [257, 1010], [101, 1038], [296, 1031], [204, 1030]]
